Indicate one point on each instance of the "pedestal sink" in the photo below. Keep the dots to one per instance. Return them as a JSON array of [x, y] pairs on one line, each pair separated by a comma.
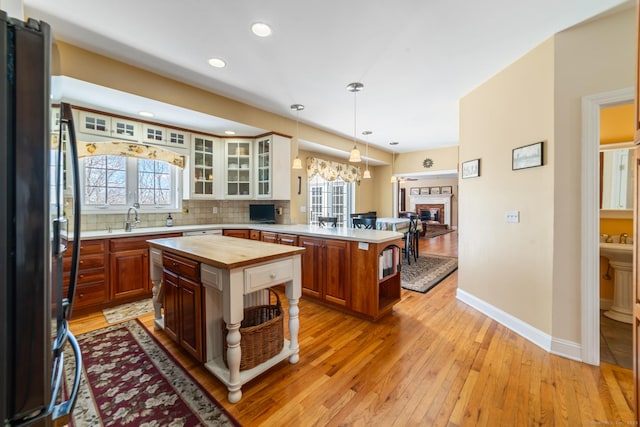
[[621, 259]]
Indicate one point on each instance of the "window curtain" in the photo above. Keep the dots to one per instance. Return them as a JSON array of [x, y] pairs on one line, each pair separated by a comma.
[[129, 149], [332, 170]]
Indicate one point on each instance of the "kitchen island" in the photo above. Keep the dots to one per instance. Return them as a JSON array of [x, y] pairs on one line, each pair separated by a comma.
[[203, 280]]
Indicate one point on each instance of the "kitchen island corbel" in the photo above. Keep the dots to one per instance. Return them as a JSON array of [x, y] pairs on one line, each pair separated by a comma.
[[231, 273]]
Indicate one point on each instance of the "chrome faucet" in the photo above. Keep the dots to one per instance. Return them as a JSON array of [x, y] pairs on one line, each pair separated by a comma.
[[136, 220], [623, 237]]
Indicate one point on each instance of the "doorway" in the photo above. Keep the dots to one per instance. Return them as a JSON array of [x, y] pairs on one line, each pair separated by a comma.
[[590, 221]]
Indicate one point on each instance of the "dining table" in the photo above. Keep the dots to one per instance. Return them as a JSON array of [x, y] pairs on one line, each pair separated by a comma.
[[400, 225]]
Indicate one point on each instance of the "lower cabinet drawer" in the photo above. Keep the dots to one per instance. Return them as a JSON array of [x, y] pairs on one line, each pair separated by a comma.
[[89, 294], [263, 276], [87, 276], [183, 266]]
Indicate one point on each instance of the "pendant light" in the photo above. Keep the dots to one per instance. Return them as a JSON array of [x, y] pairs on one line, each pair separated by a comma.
[[393, 162], [366, 174], [355, 153], [297, 164]]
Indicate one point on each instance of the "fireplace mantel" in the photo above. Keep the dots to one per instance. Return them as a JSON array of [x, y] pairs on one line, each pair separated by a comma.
[[444, 199]]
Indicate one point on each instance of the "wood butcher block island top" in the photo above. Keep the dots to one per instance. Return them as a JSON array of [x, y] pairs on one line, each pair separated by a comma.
[[224, 252]]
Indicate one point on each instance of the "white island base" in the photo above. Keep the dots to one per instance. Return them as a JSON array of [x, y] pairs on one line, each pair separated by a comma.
[[229, 286]]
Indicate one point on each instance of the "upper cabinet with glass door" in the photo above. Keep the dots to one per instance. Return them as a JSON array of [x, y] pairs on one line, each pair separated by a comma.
[[263, 167], [238, 165], [203, 162]]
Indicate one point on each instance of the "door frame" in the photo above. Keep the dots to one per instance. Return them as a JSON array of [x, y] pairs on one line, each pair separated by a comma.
[[590, 218]]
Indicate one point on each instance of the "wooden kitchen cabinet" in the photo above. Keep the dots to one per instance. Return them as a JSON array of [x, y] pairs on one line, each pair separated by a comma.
[[241, 233], [129, 268], [183, 305], [326, 270], [92, 288], [269, 236]]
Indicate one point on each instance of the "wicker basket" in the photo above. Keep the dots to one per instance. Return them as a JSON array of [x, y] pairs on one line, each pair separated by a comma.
[[262, 334]]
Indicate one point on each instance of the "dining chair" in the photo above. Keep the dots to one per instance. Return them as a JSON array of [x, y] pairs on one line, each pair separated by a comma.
[[364, 222], [411, 240], [324, 220]]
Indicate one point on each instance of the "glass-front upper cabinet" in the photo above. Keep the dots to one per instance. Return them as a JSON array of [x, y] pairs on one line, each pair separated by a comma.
[[203, 157], [263, 172], [238, 162]]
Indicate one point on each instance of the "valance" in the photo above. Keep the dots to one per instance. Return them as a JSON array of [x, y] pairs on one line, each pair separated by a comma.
[[129, 149], [332, 170]]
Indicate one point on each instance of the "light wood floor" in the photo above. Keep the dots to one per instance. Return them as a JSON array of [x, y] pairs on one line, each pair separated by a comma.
[[434, 362]]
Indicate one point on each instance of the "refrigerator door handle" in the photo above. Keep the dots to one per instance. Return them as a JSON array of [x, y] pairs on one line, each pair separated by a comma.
[[62, 411], [66, 117]]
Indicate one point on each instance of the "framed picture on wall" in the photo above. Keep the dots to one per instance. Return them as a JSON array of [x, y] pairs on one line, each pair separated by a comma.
[[471, 169], [435, 190], [414, 191], [529, 156], [446, 189], [424, 190]]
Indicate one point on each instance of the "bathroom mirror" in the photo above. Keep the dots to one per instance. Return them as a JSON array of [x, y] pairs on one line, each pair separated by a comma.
[[617, 176]]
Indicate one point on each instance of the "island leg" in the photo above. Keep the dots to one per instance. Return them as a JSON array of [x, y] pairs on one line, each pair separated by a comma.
[[156, 292], [233, 360], [155, 273], [293, 290]]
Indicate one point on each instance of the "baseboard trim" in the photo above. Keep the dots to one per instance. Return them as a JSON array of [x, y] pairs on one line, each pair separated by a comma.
[[560, 347]]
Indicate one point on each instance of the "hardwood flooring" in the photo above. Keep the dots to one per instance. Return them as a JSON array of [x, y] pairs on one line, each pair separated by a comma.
[[433, 362]]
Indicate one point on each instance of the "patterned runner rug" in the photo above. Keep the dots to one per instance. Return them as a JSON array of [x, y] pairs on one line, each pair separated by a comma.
[[128, 311], [129, 379], [427, 272]]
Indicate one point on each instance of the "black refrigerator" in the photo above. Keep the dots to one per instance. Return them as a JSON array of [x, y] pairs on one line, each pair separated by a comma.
[[34, 167]]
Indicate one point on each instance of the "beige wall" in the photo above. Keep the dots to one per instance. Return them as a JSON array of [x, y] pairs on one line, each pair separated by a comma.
[[531, 270], [444, 159], [590, 58], [509, 265]]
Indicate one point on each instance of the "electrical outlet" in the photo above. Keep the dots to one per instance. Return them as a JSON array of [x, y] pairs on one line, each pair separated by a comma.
[[214, 210], [512, 216], [303, 208]]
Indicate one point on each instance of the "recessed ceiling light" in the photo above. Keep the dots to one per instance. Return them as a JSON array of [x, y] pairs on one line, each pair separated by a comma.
[[394, 143], [145, 113], [261, 29], [217, 63], [229, 132]]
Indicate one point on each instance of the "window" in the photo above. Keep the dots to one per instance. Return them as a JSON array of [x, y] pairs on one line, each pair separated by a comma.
[[114, 183], [330, 198]]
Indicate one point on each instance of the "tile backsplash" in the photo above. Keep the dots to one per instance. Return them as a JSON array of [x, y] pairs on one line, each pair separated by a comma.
[[194, 212]]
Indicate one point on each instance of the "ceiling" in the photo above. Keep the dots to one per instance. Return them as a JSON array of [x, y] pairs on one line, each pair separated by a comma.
[[416, 58]]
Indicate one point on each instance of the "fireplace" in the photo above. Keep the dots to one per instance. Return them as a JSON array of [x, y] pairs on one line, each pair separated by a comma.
[[441, 202], [437, 208]]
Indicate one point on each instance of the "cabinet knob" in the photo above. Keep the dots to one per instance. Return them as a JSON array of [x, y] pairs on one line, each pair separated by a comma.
[[81, 276], [272, 275], [81, 262], [81, 295]]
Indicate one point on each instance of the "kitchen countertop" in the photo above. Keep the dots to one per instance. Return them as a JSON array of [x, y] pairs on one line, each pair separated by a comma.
[[340, 233], [224, 252]]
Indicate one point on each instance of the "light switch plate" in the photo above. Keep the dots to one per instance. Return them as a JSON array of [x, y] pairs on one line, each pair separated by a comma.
[[512, 216]]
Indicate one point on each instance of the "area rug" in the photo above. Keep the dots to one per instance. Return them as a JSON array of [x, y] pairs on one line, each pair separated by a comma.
[[128, 311], [129, 379], [435, 233], [426, 272]]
